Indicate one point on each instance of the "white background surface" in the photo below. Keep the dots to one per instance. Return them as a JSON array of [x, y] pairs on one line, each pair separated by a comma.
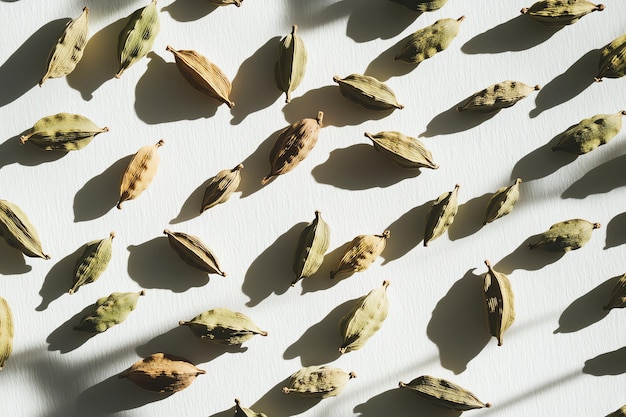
[[436, 323]]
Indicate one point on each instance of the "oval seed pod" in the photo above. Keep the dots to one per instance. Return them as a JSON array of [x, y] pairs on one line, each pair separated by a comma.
[[565, 236], [426, 42], [140, 172], [109, 311], [137, 37], [69, 48], [223, 326], [92, 262], [291, 64], [361, 253], [203, 75], [502, 201], [444, 393], [293, 145], [497, 96], [441, 214], [18, 232], [621, 412], [226, 2], [221, 187], [63, 132], [162, 372], [589, 133], [365, 318], [499, 302], [618, 295], [613, 59], [194, 252], [560, 12], [422, 5], [404, 151], [6, 332], [312, 246], [245, 412], [368, 92], [318, 382]]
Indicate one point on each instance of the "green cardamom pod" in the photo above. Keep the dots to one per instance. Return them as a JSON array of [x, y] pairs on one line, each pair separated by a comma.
[[162, 372], [137, 37], [194, 252], [444, 393], [245, 412], [498, 96], [618, 295], [18, 232], [92, 262], [422, 5], [502, 201], [221, 187], [63, 132], [318, 382], [226, 2], [109, 311], [368, 92], [565, 236], [589, 133], [621, 412], [404, 151], [499, 302], [361, 253], [291, 64], [441, 214], [613, 59], [560, 12], [223, 326], [312, 246], [6, 332], [426, 42]]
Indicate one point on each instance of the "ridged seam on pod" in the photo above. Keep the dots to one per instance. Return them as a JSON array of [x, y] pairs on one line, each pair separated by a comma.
[[365, 319], [499, 302], [318, 382], [498, 96], [18, 232], [223, 326], [162, 372], [293, 145], [361, 253], [226, 2], [620, 412], [137, 37], [589, 133], [93, 261], [221, 187], [613, 59], [426, 42], [193, 252], [245, 412], [312, 246], [203, 75], [368, 92], [6, 332], [444, 393], [140, 172], [69, 48], [109, 311], [441, 215], [565, 236], [618, 295], [502, 201], [560, 12], [62, 132], [422, 5], [291, 64], [404, 151]]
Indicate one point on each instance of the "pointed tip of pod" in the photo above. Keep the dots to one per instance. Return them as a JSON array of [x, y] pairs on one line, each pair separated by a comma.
[[597, 225], [487, 263], [71, 291], [119, 73], [46, 256], [386, 234], [336, 78], [237, 168], [352, 374], [425, 243], [294, 28], [518, 180], [623, 112], [500, 341], [320, 117], [401, 384], [386, 283], [112, 234], [43, 80], [342, 350], [457, 186], [598, 78], [230, 104], [488, 405], [524, 10], [600, 7], [24, 138], [537, 87], [105, 129], [119, 205], [167, 232], [86, 9], [160, 143], [263, 333], [399, 106], [266, 179], [237, 402], [460, 19], [222, 273], [286, 390], [182, 322]]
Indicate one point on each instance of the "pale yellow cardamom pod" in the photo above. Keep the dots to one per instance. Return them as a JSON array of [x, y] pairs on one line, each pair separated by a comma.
[[499, 302], [368, 92], [162, 372], [560, 12], [318, 382], [404, 151], [498, 96], [63, 132], [502, 201], [613, 59], [312, 246], [221, 187], [361, 253], [444, 393], [6, 332], [618, 295], [137, 37], [565, 236], [140, 172], [194, 252], [441, 215], [18, 232], [291, 64]]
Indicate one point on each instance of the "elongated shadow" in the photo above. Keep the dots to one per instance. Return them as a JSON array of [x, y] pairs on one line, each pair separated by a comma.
[[278, 404], [406, 232], [372, 19], [191, 207], [65, 338], [599, 180], [257, 165], [59, 280], [403, 403], [457, 325], [527, 259], [541, 162], [321, 279], [469, 218], [610, 363], [383, 67], [451, 121], [12, 261], [12, 152], [615, 231], [189, 10]]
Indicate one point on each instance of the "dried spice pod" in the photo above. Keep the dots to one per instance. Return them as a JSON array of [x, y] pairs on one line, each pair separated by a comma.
[[502, 201], [620, 412], [565, 236], [498, 96], [318, 382], [162, 372], [93, 261], [226, 2], [368, 92], [63, 132], [137, 37], [69, 48], [422, 5], [499, 302], [203, 75], [293, 145], [590, 133], [444, 393], [361, 253], [312, 246], [6, 332], [194, 252], [291, 64], [613, 59], [441, 214], [404, 151], [221, 187], [109, 311], [618, 295], [364, 320], [18, 232], [426, 42], [245, 412], [140, 172], [223, 326], [560, 12]]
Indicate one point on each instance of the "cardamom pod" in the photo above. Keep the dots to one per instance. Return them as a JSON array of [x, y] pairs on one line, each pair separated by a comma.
[[137, 37], [426, 42], [441, 214], [368, 92], [293, 145], [6, 332], [361, 253], [590, 133], [93, 261], [618, 295], [162, 372], [194, 252], [18, 232], [245, 412], [69, 48], [63, 132], [499, 302], [365, 318], [404, 151], [497, 97], [226, 2], [109, 311], [221, 187], [560, 12], [140, 172], [312, 246], [502, 201], [613, 59], [565, 236], [203, 75], [223, 326], [318, 382], [621, 412], [444, 393], [291, 64], [422, 5]]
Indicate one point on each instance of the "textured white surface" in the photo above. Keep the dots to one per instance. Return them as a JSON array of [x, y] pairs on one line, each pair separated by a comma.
[[436, 322]]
